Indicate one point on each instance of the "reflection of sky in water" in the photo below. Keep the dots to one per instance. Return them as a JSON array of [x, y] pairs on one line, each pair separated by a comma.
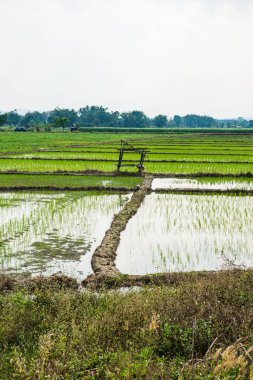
[[187, 232], [209, 184], [68, 226]]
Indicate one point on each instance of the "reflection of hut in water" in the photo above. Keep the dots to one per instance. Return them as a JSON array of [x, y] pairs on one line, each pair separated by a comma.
[[126, 147]]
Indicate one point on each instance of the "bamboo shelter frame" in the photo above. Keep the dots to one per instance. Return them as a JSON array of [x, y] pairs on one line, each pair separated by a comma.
[[126, 147]]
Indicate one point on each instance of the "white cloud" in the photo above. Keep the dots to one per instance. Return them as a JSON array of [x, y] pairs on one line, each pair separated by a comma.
[[160, 56]]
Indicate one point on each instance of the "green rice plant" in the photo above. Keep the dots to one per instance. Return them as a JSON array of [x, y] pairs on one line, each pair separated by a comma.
[[174, 233], [10, 181]]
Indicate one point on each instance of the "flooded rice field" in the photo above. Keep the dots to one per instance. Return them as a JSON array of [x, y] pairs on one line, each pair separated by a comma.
[[51, 232], [203, 183], [188, 232]]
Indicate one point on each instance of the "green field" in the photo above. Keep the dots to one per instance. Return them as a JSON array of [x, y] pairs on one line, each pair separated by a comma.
[[169, 153]]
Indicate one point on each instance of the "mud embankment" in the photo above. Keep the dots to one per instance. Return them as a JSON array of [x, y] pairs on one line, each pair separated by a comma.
[[156, 279], [103, 259]]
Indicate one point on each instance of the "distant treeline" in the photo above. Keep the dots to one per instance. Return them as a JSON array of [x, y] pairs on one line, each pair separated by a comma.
[[98, 116]]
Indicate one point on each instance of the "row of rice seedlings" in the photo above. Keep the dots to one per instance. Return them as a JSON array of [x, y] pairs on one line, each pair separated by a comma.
[[99, 151], [63, 181], [200, 158], [29, 141], [17, 141], [52, 232], [193, 168], [76, 155], [53, 165], [130, 156], [152, 167], [187, 232]]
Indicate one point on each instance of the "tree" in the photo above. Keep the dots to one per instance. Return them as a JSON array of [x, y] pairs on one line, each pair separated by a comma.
[[134, 119], [32, 119], [65, 113], [160, 121], [60, 122], [177, 120], [192, 121], [98, 116], [3, 119], [13, 118]]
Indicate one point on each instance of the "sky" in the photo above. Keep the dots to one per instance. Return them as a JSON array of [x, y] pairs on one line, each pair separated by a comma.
[[159, 56]]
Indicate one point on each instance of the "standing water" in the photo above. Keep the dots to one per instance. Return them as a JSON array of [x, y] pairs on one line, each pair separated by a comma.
[[204, 183], [52, 232], [176, 233]]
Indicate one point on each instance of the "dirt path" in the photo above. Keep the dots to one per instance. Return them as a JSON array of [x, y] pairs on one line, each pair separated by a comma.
[[103, 259]]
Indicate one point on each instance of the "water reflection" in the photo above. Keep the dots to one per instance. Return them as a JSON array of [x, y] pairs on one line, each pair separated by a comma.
[[51, 232], [188, 232], [203, 183]]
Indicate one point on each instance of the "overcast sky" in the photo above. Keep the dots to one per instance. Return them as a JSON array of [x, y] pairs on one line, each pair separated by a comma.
[[159, 56]]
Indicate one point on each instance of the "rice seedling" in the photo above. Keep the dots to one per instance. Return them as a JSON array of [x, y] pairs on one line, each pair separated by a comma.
[[65, 181], [51, 232], [191, 233]]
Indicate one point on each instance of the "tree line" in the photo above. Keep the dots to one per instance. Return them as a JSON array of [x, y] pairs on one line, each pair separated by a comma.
[[98, 116]]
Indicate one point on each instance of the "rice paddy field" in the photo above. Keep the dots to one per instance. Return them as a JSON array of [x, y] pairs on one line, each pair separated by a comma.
[[186, 153], [185, 233], [60, 192], [48, 232], [174, 247]]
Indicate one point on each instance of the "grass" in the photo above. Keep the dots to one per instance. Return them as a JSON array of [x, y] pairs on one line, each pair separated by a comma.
[[65, 181], [52, 332]]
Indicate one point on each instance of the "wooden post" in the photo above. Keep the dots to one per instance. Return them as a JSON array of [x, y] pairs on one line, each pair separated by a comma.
[[120, 159], [140, 166]]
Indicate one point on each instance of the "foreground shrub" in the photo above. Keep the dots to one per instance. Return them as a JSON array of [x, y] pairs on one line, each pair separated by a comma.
[[153, 333]]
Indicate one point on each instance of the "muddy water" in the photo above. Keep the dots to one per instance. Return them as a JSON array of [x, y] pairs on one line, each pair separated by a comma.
[[52, 232], [203, 183], [188, 232]]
